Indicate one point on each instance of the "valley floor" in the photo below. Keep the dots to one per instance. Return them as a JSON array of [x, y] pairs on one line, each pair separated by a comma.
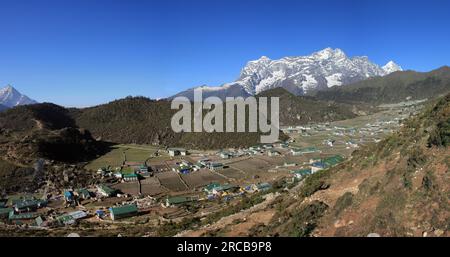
[[257, 178]]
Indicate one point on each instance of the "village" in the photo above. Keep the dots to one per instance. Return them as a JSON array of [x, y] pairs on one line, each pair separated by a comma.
[[168, 184], [169, 189]]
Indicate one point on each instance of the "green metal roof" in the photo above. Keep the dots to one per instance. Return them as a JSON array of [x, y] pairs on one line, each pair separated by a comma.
[[211, 186], [107, 189], [264, 185], [39, 220], [302, 171], [29, 203], [123, 210], [176, 149], [23, 216], [66, 218], [226, 187], [333, 160], [84, 193], [179, 199], [5, 211]]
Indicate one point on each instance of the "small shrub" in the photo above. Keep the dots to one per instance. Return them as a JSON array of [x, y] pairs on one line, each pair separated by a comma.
[[314, 183], [342, 203]]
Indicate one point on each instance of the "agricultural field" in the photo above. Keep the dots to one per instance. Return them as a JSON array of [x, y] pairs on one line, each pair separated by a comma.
[[152, 186], [121, 153], [171, 181], [131, 188], [363, 132], [202, 178]]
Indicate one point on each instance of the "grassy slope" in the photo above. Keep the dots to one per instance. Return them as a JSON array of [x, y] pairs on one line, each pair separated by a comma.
[[144, 121], [299, 110], [392, 88], [44, 130], [398, 187]]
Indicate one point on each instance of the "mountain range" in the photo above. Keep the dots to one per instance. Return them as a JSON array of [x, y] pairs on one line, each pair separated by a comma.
[[299, 75], [10, 97]]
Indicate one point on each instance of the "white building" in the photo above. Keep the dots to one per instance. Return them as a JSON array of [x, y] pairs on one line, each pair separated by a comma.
[[177, 151]]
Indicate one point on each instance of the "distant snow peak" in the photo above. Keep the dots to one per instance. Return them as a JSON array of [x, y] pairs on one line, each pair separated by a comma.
[[391, 67], [328, 53], [10, 97], [302, 74], [264, 58]]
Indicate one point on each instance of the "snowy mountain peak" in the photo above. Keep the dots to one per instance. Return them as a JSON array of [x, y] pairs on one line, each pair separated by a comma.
[[329, 52], [391, 67], [302, 74], [264, 58], [10, 97], [6, 90]]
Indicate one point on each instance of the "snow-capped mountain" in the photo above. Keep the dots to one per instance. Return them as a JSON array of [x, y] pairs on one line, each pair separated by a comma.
[[10, 97], [299, 75]]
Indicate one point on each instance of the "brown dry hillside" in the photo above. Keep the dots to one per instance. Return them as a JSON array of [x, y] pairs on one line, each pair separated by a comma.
[[144, 121], [44, 131], [398, 187]]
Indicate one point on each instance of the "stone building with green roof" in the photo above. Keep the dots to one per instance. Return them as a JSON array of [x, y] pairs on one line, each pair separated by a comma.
[[124, 211]]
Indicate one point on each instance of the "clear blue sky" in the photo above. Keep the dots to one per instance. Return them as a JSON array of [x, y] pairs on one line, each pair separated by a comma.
[[85, 52]]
